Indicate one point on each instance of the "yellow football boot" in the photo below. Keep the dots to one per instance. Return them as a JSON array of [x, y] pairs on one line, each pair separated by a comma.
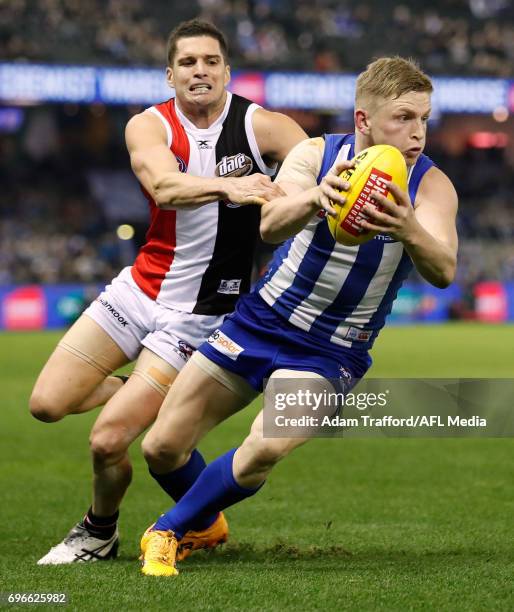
[[145, 538], [211, 537], [159, 549]]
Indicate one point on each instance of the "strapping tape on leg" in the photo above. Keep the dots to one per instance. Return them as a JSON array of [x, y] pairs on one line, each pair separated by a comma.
[[87, 358], [157, 372], [228, 379]]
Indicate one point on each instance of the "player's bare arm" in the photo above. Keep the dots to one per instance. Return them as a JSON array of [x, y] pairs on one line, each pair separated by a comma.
[[276, 134], [286, 216], [428, 230], [157, 169]]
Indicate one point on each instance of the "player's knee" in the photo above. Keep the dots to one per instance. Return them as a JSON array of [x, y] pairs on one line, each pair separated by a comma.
[[163, 453], [108, 445], [45, 408]]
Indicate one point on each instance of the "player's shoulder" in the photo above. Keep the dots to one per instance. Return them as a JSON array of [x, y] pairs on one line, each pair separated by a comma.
[[144, 119], [434, 176], [318, 142], [276, 133], [272, 121], [309, 148], [303, 163], [435, 184], [144, 124]]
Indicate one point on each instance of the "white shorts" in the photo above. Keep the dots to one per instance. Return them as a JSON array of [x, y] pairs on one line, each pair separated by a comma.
[[132, 320]]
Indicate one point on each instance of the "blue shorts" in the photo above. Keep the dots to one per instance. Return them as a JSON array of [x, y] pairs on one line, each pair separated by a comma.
[[254, 341]]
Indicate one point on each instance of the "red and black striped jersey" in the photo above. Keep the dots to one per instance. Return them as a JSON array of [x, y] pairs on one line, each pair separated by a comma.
[[200, 260]]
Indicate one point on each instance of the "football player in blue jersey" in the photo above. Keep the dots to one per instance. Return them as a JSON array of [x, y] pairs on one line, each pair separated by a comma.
[[319, 308]]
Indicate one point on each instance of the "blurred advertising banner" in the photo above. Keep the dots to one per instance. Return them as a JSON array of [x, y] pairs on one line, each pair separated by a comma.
[[43, 307], [29, 83], [491, 302], [420, 302], [24, 308], [56, 306]]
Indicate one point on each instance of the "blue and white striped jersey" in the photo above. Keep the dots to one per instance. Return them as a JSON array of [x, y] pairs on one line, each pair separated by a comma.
[[339, 293]]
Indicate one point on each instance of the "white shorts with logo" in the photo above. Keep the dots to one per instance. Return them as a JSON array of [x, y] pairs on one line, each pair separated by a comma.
[[133, 320]]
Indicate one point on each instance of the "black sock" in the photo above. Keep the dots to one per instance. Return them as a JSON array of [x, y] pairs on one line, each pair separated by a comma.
[[102, 527]]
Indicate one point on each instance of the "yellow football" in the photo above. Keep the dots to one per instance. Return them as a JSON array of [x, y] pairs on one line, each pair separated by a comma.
[[373, 167]]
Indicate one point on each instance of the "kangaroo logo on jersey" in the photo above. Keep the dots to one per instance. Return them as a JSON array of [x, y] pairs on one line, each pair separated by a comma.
[[234, 165], [345, 375]]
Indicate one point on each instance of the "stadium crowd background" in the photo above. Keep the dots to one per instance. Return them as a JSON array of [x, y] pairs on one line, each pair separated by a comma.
[[474, 37], [66, 182]]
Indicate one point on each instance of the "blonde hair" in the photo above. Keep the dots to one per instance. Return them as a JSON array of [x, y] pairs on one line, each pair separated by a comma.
[[390, 77]]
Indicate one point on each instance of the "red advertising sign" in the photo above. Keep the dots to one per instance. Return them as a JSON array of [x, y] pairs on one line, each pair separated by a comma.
[[249, 85], [24, 308], [491, 302]]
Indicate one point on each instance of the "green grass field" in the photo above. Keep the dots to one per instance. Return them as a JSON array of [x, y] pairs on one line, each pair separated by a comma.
[[369, 524]]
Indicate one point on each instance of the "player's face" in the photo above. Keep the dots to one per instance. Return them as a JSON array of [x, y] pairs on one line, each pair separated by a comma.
[[402, 122], [199, 73]]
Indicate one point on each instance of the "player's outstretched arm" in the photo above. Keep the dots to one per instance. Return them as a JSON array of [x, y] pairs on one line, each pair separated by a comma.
[[428, 230], [157, 169], [286, 216]]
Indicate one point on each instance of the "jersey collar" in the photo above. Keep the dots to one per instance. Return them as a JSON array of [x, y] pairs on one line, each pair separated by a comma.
[[189, 125]]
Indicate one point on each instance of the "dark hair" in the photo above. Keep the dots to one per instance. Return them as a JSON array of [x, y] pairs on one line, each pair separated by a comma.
[[195, 27]]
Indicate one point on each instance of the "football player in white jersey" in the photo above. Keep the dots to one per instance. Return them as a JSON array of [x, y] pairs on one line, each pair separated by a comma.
[[186, 155], [318, 309]]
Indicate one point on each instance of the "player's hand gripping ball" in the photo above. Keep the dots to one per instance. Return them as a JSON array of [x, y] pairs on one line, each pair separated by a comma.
[[372, 168]]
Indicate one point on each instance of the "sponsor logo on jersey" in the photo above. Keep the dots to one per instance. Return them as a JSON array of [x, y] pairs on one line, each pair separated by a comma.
[[359, 335], [225, 345], [230, 287], [121, 319], [204, 144], [234, 165], [384, 238]]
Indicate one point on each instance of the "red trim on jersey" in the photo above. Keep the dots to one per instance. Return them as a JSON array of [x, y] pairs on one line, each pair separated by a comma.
[[156, 256]]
